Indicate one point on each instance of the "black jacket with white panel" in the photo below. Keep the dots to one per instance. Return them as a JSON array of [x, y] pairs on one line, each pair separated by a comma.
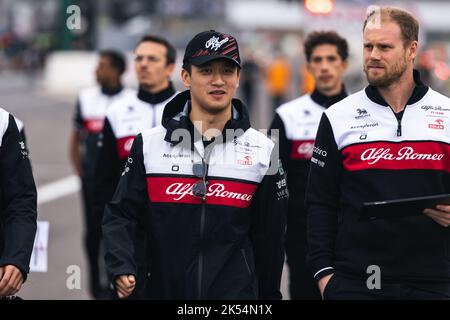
[[17, 197], [125, 118], [297, 122], [365, 152], [228, 245], [92, 105]]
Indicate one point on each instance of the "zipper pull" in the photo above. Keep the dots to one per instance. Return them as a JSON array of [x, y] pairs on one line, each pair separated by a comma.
[[399, 128]]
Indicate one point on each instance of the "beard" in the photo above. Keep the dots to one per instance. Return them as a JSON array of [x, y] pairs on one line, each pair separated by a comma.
[[392, 74]]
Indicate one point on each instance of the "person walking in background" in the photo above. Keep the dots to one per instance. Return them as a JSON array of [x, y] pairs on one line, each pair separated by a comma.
[[326, 53], [91, 107], [128, 116], [249, 80]]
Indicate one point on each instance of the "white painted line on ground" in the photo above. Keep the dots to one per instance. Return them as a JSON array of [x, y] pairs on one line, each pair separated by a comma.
[[58, 189]]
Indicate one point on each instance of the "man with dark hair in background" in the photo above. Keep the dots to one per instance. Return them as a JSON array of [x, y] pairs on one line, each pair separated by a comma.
[[91, 107], [297, 121], [154, 63]]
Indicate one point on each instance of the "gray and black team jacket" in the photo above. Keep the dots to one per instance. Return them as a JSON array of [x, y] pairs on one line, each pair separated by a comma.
[[365, 152], [17, 197], [297, 122], [228, 246]]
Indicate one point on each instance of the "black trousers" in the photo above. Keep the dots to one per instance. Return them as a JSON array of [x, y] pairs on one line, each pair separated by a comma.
[[92, 236], [344, 288], [302, 285]]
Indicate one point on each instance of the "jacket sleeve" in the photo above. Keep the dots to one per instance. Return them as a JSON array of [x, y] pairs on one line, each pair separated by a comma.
[[19, 200], [284, 144], [122, 214], [77, 117], [23, 136], [268, 212], [322, 200], [107, 169]]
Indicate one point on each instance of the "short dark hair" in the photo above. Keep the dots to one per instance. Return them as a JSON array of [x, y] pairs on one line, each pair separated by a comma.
[[171, 52], [116, 58], [318, 38], [409, 26]]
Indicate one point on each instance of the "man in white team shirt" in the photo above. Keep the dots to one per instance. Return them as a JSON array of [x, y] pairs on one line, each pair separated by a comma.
[[154, 64], [91, 107], [326, 54]]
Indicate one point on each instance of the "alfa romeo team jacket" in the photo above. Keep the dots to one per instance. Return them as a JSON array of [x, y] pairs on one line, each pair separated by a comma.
[[365, 152], [228, 245], [297, 122], [17, 198], [90, 111], [124, 120]]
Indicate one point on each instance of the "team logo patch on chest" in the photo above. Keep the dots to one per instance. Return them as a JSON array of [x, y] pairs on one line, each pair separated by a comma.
[[124, 145], [93, 125], [219, 192], [302, 149], [421, 155]]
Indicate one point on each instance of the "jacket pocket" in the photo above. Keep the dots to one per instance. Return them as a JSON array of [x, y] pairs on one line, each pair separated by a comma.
[[329, 287]]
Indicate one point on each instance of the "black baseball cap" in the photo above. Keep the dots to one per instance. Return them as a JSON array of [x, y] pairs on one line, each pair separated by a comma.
[[211, 45]]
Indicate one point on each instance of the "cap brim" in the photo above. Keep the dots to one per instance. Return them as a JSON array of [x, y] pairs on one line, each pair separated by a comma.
[[198, 61]]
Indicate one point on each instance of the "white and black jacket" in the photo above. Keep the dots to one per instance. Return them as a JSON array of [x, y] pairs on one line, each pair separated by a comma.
[[364, 152], [125, 118], [297, 122], [17, 198], [92, 105], [228, 247]]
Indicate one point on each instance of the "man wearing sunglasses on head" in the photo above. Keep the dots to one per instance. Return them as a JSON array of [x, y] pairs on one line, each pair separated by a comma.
[[210, 187]]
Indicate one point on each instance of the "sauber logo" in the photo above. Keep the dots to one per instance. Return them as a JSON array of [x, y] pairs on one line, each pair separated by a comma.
[[438, 124], [247, 161], [306, 148], [180, 190], [373, 155]]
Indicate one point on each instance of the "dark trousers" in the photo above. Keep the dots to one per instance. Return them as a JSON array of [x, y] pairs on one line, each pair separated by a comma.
[[302, 285], [344, 288], [92, 236]]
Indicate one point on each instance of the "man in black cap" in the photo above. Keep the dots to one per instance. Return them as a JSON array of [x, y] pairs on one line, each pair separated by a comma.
[[211, 189]]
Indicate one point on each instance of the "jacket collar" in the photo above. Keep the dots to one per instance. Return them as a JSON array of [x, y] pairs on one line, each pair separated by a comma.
[[176, 116], [110, 92], [158, 97], [326, 101], [418, 93]]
